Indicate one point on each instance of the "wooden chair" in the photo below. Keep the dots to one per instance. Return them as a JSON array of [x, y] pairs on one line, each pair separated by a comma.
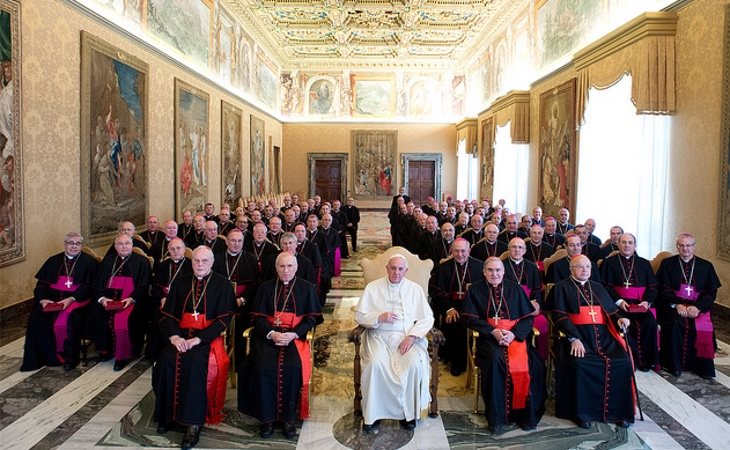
[[657, 261], [419, 272]]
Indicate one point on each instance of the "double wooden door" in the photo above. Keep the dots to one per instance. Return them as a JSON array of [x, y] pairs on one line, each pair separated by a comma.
[[421, 176], [328, 179]]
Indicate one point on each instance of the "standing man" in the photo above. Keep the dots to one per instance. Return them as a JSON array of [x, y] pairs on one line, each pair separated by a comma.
[[560, 269], [447, 287], [592, 365], [190, 377], [611, 245], [214, 242], [441, 248], [489, 245], [475, 233], [197, 236], [395, 362], [688, 285], [185, 228], [630, 282], [551, 235], [159, 250], [57, 319], [275, 376], [563, 221], [122, 281], [513, 386], [152, 234]]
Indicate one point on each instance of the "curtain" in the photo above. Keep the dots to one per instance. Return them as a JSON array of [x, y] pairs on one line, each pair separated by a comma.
[[511, 170]]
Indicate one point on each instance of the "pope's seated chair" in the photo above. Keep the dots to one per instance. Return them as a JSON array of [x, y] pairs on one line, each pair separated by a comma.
[[419, 271]]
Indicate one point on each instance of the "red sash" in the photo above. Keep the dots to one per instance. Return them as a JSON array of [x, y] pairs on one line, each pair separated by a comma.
[[458, 295], [290, 320], [540, 266], [517, 365], [218, 363], [584, 318], [238, 288]]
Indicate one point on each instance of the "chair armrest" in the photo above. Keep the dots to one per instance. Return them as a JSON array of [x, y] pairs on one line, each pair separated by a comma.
[[355, 335], [310, 335], [436, 337]]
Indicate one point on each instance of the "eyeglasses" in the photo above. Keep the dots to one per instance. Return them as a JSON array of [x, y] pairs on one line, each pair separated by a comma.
[[73, 243], [581, 267]]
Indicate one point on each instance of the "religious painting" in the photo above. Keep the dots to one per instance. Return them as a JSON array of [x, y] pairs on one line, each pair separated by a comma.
[[556, 187], [182, 24], [458, 95], [374, 155], [321, 95], [129, 9], [258, 156], [563, 25], [421, 98], [266, 84], [374, 96], [723, 229], [231, 168], [12, 245], [224, 47], [191, 147], [113, 139], [291, 93], [487, 165], [243, 62]]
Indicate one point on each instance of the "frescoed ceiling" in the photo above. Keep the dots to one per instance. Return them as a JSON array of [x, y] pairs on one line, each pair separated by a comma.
[[370, 33]]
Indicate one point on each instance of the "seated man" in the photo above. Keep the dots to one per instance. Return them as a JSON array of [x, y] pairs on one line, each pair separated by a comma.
[[688, 286], [278, 369], [395, 362], [122, 281], [592, 366], [57, 319], [513, 376], [189, 390]]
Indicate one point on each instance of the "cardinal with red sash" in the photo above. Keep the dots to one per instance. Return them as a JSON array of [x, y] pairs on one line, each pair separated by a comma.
[[56, 321], [274, 378], [688, 286], [118, 318], [630, 282], [513, 376], [593, 368], [190, 376]]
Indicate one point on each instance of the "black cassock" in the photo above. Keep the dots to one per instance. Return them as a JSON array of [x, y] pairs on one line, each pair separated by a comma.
[[509, 303], [165, 273], [447, 288], [179, 379], [618, 271], [271, 377], [597, 387], [687, 344], [58, 278]]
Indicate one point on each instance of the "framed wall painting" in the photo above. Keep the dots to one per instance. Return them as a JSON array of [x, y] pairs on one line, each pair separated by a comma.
[[258, 156], [12, 244], [723, 226], [487, 156], [113, 139], [191, 147], [231, 164], [374, 96], [184, 25], [556, 187], [374, 154]]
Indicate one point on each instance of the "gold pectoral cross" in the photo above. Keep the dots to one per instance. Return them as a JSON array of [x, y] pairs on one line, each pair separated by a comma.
[[496, 319], [593, 313], [195, 315], [277, 321]]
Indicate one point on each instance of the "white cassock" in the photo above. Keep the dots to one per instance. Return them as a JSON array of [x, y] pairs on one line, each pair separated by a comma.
[[394, 386]]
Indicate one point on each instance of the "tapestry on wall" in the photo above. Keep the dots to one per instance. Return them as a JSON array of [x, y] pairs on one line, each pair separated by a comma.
[[487, 173], [556, 187], [723, 228], [191, 147], [258, 156], [374, 163], [231, 168], [113, 139], [12, 247]]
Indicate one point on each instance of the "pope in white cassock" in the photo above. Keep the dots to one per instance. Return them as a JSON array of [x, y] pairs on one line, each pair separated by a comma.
[[395, 361]]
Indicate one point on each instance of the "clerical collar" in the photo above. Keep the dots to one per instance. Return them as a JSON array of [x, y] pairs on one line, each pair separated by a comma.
[[515, 262], [687, 260], [233, 254], [202, 276], [533, 243], [628, 257], [394, 285], [177, 261], [582, 283], [69, 256]]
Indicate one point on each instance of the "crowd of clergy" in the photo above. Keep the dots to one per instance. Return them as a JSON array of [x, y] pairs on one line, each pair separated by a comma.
[[182, 294]]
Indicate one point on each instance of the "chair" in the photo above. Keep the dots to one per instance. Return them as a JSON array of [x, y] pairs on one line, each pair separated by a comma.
[[657, 261], [419, 271]]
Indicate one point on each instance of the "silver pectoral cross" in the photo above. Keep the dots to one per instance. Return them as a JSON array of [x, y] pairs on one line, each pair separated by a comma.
[[68, 283], [496, 319], [627, 284], [277, 321], [689, 290], [195, 315]]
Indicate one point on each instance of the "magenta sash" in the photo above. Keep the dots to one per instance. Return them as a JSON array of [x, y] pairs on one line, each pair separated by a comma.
[[704, 344], [542, 342], [239, 288], [338, 262], [527, 290], [687, 292], [60, 325], [631, 293], [122, 341]]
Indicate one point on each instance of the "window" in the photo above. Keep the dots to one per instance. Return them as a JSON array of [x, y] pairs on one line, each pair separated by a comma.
[[467, 180], [622, 167], [511, 165]]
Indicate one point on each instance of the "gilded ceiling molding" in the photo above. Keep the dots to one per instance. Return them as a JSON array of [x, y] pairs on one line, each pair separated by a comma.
[[514, 107], [467, 130], [645, 48]]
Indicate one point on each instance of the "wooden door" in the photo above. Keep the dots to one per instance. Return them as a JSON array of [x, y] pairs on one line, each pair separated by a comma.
[[328, 179], [421, 177]]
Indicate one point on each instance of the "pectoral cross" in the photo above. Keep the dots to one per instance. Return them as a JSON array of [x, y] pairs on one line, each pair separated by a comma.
[[627, 284], [277, 321], [195, 315], [496, 319], [689, 290], [68, 283], [593, 313]]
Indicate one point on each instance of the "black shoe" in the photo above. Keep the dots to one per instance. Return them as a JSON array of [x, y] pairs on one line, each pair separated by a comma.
[[290, 431], [367, 429], [408, 424], [192, 436], [104, 357], [644, 368], [266, 430], [70, 365], [622, 424], [585, 425], [120, 364], [674, 372], [456, 371], [526, 427], [496, 430], [161, 428]]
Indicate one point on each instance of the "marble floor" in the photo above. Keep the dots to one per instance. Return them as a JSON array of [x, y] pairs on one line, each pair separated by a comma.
[[95, 407]]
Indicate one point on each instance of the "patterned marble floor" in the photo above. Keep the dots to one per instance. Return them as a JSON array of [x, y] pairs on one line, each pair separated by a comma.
[[95, 407]]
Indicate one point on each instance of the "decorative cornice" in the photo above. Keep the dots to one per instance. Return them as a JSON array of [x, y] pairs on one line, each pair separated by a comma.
[[466, 123], [509, 99], [645, 25]]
